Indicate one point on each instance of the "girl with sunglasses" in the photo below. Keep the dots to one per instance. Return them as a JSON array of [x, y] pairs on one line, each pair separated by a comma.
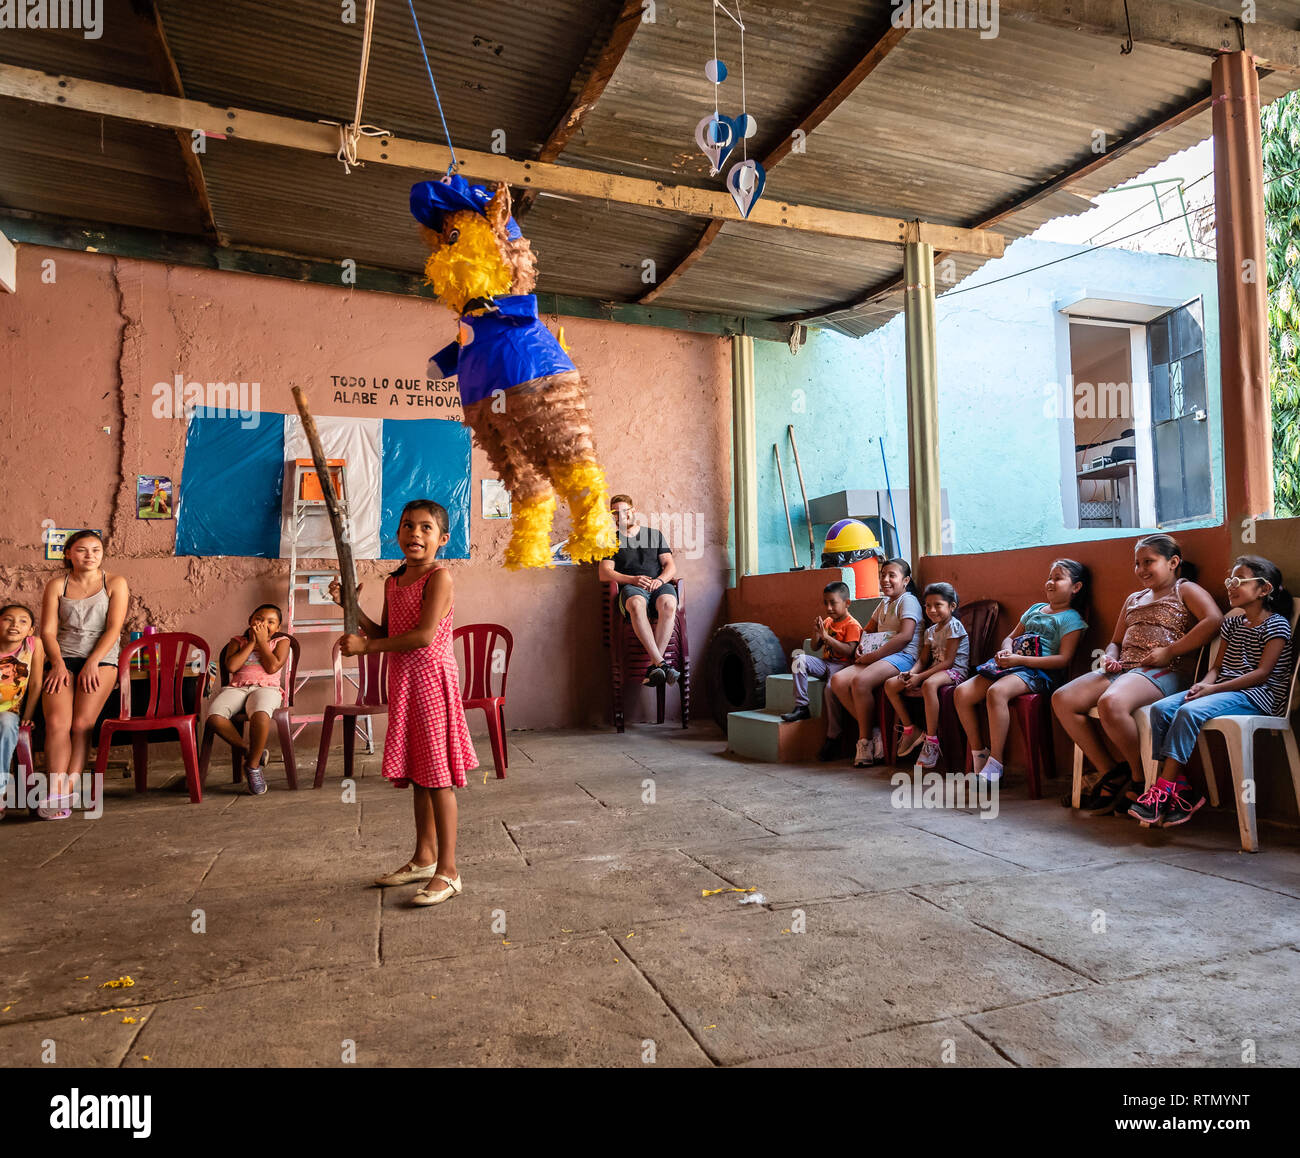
[[1251, 676]]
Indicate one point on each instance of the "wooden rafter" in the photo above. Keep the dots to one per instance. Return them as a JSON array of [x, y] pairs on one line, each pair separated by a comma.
[[608, 48], [1173, 24], [1060, 183], [169, 77], [880, 47], [424, 157]]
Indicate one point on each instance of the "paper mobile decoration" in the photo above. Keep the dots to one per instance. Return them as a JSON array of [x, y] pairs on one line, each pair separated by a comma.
[[718, 135], [745, 181]]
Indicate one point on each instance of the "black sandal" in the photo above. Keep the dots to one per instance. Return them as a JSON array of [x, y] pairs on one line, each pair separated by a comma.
[[1105, 798]]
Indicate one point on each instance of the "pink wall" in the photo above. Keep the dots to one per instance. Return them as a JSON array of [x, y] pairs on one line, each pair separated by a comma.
[[85, 351]]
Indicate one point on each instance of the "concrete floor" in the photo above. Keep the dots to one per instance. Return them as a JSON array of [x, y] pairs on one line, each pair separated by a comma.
[[929, 937]]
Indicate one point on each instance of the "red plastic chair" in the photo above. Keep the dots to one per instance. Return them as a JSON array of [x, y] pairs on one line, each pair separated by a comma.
[[629, 661], [168, 664], [281, 719], [372, 700], [1033, 712], [480, 649]]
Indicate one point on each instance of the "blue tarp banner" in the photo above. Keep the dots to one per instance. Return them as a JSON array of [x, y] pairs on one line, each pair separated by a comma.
[[426, 458], [231, 487], [232, 481]]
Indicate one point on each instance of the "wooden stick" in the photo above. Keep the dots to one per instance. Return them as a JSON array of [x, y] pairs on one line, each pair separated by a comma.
[[342, 540]]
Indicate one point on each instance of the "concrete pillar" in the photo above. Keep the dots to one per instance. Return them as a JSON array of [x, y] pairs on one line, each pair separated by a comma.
[[1243, 293], [922, 401], [744, 457]]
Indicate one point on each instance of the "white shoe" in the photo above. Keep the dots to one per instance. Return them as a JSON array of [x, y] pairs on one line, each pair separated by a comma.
[[431, 895], [408, 874], [862, 757]]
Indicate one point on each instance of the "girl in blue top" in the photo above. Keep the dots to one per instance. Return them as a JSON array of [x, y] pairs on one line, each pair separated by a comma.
[[1059, 627], [1251, 676], [889, 645]]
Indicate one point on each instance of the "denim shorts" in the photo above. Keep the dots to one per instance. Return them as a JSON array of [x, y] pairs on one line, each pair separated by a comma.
[[901, 660], [632, 591], [1169, 682], [1038, 681]]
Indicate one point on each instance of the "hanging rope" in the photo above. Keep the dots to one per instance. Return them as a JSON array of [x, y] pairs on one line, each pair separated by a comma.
[[455, 164], [351, 134]]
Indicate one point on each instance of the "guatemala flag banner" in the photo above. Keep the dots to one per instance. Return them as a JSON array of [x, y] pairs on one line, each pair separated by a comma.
[[235, 495]]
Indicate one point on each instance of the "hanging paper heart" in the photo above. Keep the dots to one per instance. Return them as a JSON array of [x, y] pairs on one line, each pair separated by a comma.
[[745, 181], [716, 136]]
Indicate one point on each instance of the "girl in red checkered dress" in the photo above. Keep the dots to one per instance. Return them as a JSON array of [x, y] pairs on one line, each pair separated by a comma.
[[427, 744]]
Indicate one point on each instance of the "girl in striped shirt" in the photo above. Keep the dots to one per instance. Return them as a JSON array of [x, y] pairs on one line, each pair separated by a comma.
[[1252, 678]]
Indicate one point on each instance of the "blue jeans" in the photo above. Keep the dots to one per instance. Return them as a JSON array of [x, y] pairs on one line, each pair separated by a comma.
[[1177, 721], [9, 722]]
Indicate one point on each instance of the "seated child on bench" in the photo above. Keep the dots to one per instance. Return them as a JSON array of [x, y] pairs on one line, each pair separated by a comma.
[[836, 636], [944, 660], [254, 660]]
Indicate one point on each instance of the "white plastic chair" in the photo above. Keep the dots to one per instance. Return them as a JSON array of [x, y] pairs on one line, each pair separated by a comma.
[[1150, 765], [1239, 734]]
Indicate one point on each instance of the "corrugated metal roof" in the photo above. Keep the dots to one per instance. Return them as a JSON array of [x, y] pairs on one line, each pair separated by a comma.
[[949, 128]]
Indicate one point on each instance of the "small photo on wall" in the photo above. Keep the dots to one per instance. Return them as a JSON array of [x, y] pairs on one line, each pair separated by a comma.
[[496, 499], [153, 497]]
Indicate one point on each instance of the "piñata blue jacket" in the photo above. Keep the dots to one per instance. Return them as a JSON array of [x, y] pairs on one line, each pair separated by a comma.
[[511, 345]]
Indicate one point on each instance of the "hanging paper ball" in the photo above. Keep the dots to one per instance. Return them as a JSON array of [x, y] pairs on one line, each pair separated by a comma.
[[716, 71], [746, 125]]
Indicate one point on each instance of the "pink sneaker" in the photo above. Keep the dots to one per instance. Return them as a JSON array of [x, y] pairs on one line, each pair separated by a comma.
[[908, 738]]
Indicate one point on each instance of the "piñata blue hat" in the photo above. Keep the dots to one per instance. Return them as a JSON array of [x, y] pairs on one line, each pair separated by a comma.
[[431, 200]]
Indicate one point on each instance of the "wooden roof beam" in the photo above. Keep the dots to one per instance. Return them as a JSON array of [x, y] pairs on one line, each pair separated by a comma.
[[422, 156], [881, 45], [169, 77], [1060, 183], [1165, 24], [607, 49]]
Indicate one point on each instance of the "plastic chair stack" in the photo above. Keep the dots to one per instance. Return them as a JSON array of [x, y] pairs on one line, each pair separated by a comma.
[[629, 661]]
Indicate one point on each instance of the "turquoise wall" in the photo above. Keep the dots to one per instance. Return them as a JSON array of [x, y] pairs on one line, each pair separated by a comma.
[[999, 349]]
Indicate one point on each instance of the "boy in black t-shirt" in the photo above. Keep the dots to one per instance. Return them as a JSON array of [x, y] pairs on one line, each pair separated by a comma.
[[644, 569]]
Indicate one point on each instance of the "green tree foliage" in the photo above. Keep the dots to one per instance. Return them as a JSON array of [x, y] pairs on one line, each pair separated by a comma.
[[1281, 133]]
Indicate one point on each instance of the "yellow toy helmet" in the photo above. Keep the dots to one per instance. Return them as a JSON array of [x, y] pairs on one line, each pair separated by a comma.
[[849, 535]]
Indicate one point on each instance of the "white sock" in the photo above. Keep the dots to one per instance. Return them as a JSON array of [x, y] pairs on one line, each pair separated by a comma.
[[992, 770]]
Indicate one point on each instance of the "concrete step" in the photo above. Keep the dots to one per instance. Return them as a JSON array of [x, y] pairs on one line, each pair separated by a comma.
[[762, 736], [780, 694]]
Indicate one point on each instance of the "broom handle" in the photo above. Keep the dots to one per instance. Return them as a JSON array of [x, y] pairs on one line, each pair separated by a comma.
[[807, 510], [789, 526], [347, 569]]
